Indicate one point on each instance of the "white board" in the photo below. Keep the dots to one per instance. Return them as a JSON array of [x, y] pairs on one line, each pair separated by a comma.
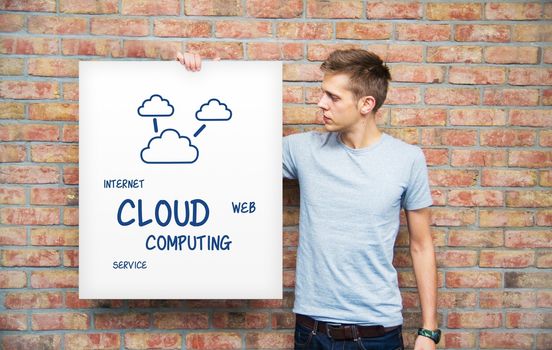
[[152, 133]]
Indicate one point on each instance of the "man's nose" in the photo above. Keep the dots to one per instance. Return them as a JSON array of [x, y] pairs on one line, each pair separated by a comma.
[[322, 102]]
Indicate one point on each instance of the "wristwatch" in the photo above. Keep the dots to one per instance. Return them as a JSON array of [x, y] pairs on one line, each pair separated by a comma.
[[433, 335]]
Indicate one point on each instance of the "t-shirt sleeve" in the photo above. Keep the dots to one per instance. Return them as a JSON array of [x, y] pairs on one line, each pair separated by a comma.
[[417, 194], [289, 168]]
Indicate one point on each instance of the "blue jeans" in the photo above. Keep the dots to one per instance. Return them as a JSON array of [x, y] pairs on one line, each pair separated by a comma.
[[305, 339]]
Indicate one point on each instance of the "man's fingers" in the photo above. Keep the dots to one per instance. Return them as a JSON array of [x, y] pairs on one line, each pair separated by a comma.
[[179, 57]]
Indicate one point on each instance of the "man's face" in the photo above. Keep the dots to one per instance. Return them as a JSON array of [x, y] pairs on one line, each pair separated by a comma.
[[339, 105]]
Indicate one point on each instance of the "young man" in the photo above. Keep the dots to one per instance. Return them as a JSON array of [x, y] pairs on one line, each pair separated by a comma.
[[354, 180]]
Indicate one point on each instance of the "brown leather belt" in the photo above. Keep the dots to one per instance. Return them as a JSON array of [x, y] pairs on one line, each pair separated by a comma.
[[343, 331]]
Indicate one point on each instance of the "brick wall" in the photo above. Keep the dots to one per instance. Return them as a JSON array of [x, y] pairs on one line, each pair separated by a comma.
[[471, 87]]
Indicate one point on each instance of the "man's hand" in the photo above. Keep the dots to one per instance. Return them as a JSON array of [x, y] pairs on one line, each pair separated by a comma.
[[192, 61], [424, 343]]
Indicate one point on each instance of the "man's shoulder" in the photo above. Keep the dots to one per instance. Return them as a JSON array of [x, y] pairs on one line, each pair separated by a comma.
[[403, 148], [309, 137]]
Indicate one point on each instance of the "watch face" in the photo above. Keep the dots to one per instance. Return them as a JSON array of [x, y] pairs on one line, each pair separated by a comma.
[[434, 335]]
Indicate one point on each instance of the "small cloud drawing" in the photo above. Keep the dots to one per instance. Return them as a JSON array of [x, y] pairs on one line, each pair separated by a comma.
[[156, 106], [169, 147], [214, 110]]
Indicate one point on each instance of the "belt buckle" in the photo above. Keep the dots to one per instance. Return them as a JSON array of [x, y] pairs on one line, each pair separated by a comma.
[[329, 327]]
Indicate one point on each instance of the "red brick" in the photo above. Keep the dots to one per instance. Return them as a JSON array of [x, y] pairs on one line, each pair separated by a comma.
[[28, 45], [507, 258], [13, 236], [482, 32], [89, 6], [71, 258], [54, 279], [530, 76], [475, 198], [500, 218], [544, 218], [418, 117], [29, 257], [530, 159], [275, 51], [213, 340], [417, 74], [292, 94], [545, 138], [437, 156], [474, 319], [453, 11], [506, 299], [301, 115], [12, 110], [423, 32], [29, 5], [512, 54], [72, 301], [70, 133], [527, 280], [452, 217], [473, 279], [308, 31], [528, 239], [452, 96], [512, 11], [247, 320], [121, 321], [398, 53], [283, 320], [508, 178], [529, 199], [153, 49], [91, 47], [456, 258], [531, 32], [119, 26], [545, 178], [531, 117], [478, 75], [53, 67], [516, 319], [28, 89], [55, 153], [223, 50], [28, 174], [54, 196], [547, 56], [180, 320], [456, 178], [454, 54], [475, 238], [13, 279], [273, 9], [150, 7], [450, 300], [70, 175], [54, 111], [11, 22], [302, 72], [449, 137], [104, 341], [269, 340], [29, 132], [12, 153], [391, 10], [544, 259], [241, 29], [403, 95], [34, 300], [21, 341], [408, 135], [181, 28], [507, 138], [71, 90], [502, 340], [13, 322], [463, 158], [29, 216], [334, 9], [71, 216], [544, 298], [57, 25], [320, 52], [483, 117], [457, 340], [12, 66]]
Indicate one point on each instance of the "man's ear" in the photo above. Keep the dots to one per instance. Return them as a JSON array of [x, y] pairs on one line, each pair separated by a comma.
[[366, 104]]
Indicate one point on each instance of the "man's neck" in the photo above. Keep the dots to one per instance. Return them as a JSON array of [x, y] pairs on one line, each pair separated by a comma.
[[362, 136]]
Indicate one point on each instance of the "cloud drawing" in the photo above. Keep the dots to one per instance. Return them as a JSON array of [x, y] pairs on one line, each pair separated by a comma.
[[169, 147], [214, 110], [156, 106]]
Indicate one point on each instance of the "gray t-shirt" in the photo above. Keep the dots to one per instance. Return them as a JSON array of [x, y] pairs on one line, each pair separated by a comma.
[[349, 219]]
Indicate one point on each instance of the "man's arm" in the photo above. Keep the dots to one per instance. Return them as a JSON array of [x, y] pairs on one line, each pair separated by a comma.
[[425, 270]]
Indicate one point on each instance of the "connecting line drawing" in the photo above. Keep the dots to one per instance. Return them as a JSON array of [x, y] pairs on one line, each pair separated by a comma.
[[170, 147]]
